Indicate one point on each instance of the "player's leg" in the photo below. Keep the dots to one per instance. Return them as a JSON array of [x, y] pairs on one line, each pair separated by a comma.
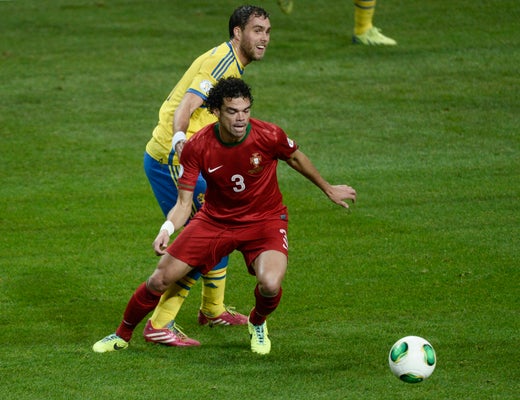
[[265, 252], [363, 15], [171, 301], [143, 301], [213, 311], [163, 178], [161, 327], [269, 267], [364, 32]]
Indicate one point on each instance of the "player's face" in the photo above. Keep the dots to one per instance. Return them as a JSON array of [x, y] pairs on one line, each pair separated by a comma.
[[233, 118], [253, 40]]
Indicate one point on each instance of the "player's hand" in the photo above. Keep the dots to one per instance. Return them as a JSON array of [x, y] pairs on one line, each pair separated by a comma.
[[161, 242], [178, 147], [339, 193]]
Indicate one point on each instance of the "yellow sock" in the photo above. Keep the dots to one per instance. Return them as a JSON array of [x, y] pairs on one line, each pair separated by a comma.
[[171, 302], [213, 292], [363, 14]]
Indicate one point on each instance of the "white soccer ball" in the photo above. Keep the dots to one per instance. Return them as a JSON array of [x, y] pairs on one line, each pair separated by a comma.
[[412, 359]]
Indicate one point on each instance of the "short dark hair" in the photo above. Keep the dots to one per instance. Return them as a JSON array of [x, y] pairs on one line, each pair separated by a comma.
[[227, 88], [241, 16]]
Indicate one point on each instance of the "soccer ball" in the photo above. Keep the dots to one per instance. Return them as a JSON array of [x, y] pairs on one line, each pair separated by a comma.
[[412, 359]]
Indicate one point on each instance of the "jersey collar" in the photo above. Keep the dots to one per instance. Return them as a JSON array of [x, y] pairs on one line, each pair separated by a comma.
[[239, 64], [216, 131]]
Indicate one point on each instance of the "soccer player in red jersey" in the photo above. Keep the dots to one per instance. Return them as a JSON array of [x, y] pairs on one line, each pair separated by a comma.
[[181, 115], [243, 210]]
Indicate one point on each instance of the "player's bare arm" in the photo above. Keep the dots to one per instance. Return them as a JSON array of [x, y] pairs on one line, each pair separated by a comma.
[[177, 216], [181, 118], [337, 193]]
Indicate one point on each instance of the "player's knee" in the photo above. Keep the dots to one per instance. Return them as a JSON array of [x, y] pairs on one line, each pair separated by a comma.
[[157, 283], [160, 280], [269, 287]]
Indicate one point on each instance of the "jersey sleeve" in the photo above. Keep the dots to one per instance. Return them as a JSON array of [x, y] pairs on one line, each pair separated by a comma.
[[201, 85], [285, 145], [220, 62], [190, 167]]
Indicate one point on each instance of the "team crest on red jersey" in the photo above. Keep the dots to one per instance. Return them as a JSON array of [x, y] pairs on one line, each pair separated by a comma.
[[255, 160]]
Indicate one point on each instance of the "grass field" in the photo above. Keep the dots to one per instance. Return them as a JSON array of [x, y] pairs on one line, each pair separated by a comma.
[[427, 132]]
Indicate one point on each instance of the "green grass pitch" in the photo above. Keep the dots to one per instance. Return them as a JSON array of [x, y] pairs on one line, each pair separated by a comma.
[[427, 132]]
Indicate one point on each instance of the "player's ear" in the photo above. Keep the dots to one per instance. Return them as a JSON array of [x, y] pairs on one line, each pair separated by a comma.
[[237, 32]]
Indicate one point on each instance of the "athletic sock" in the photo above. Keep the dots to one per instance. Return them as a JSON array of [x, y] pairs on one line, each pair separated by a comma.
[[263, 306], [141, 303], [363, 14], [213, 290], [172, 300]]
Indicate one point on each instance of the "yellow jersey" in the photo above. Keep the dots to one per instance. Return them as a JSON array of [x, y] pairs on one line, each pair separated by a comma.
[[204, 72]]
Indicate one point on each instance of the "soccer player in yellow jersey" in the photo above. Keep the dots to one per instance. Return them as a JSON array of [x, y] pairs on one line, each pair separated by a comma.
[[181, 115]]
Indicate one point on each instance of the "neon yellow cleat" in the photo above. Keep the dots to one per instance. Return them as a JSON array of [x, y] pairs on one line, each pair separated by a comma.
[[110, 343], [373, 37], [260, 342], [286, 6]]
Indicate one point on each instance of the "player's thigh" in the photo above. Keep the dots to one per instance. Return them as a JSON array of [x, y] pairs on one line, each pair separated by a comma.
[[270, 267], [263, 237], [202, 245]]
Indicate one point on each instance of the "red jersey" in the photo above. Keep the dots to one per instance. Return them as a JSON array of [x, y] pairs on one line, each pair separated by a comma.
[[242, 185]]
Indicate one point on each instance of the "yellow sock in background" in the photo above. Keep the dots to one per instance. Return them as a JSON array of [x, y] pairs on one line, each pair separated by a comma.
[[363, 14], [213, 290]]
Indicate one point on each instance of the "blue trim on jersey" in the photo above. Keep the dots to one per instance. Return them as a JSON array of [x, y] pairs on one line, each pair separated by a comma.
[[225, 63], [218, 72], [200, 94]]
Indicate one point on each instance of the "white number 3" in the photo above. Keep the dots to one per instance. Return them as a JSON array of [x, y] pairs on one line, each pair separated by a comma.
[[239, 183]]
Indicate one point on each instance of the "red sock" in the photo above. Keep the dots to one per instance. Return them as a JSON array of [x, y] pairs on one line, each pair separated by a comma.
[[141, 303], [263, 306]]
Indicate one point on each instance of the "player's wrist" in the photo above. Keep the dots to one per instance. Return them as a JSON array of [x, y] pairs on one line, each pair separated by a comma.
[[177, 137], [168, 226]]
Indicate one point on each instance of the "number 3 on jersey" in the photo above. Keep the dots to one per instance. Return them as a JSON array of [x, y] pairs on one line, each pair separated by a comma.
[[239, 183]]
